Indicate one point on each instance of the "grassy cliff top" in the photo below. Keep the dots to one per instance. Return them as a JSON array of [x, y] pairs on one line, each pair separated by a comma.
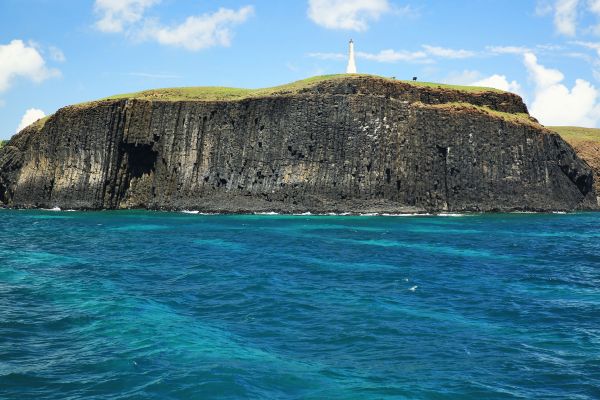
[[209, 93], [521, 118], [576, 134], [2, 143]]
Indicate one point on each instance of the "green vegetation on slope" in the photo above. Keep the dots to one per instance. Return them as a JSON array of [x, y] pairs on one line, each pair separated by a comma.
[[224, 93], [575, 134], [2, 143], [521, 118]]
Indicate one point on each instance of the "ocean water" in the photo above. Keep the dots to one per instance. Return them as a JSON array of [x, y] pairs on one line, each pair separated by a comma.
[[149, 305]]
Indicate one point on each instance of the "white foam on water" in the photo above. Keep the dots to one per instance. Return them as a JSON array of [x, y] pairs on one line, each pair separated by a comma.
[[414, 288], [52, 209], [190, 212], [450, 215], [266, 213], [406, 215], [306, 213]]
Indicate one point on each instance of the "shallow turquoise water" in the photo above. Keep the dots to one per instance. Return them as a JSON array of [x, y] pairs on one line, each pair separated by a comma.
[[127, 305]]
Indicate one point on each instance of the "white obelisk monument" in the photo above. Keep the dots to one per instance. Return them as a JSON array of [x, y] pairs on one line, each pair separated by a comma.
[[351, 69]]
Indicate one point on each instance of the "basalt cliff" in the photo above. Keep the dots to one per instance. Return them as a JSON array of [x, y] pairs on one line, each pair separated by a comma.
[[341, 144]]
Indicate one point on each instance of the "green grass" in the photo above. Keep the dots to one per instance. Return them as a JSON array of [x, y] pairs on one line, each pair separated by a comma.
[[473, 89], [573, 133], [208, 93], [3, 143], [520, 118], [39, 124]]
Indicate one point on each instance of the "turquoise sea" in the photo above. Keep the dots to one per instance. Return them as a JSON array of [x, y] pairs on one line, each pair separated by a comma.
[[150, 305]]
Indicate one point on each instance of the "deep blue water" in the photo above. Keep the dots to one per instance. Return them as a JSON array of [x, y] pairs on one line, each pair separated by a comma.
[[132, 305]]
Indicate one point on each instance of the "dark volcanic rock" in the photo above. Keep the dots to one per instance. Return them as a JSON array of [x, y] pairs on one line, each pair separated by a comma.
[[349, 145]]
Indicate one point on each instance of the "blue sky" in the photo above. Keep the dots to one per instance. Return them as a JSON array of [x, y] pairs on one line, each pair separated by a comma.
[[59, 52]]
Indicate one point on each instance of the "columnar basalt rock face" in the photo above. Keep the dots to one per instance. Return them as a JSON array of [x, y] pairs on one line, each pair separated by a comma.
[[351, 145]]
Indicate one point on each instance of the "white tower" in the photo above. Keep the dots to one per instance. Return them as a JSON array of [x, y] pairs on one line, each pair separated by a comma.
[[351, 69]]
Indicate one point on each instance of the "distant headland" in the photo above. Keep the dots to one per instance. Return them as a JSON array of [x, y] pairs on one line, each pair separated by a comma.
[[337, 143]]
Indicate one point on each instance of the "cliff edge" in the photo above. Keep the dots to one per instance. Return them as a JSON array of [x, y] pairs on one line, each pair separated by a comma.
[[349, 143]]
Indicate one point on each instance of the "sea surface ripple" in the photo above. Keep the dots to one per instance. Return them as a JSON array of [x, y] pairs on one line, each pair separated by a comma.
[[150, 305]]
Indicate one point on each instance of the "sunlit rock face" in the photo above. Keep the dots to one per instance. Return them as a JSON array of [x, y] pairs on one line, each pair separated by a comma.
[[357, 144]]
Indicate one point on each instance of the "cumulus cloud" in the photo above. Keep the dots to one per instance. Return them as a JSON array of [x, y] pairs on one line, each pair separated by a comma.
[[199, 32], [195, 33], [117, 15], [30, 116], [347, 14], [465, 77], [500, 82], [556, 104], [542, 77], [476, 78], [19, 60]]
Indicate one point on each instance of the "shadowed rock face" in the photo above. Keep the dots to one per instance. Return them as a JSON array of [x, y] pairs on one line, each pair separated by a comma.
[[350, 145]]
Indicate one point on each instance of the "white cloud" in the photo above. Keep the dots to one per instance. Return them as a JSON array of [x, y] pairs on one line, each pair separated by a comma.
[[347, 14], [30, 116], [20, 60], [594, 6], [420, 56], [590, 45], [542, 77], [565, 16], [500, 82], [556, 104], [508, 49], [448, 53], [195, 33], [391, 56], [199, 32], [475, 78], [117, 15], [465, 77], [543, 8], [56, 54]]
